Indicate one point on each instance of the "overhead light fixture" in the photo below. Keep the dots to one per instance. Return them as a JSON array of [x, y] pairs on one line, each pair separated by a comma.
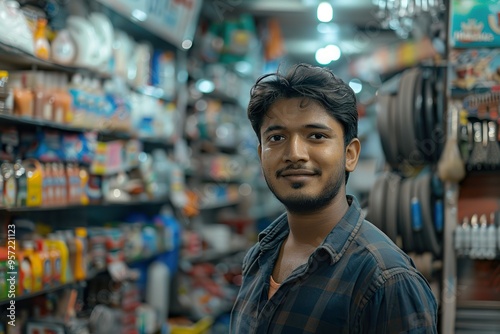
[[333, 52], [205, 86], [322, 56], [325, 12], [327, 28], [356, 85], [187, 44], [139, 15], [329, 53]]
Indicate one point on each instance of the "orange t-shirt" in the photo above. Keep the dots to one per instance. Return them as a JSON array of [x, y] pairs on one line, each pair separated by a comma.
[[273, 287]]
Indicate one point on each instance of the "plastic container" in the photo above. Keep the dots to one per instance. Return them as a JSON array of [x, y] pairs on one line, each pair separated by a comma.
[[36, 264], [4, 93], [158, 290], [201, 327]]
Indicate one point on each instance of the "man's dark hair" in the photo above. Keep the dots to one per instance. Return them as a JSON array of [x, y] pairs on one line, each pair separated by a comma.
[[310, 82]]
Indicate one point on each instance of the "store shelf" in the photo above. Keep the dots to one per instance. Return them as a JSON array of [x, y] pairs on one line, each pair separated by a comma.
[[41, 292], [24, 60], [219, 204], [76, 284], [89, 207], [6, 119], [155, 92], [21, 60]]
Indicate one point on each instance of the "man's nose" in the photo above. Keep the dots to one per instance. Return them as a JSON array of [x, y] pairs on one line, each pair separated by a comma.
[[296, 150]]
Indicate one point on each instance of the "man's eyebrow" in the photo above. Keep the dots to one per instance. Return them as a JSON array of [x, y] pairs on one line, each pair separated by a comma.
[[273, 128], [317, 126], [307, 126]]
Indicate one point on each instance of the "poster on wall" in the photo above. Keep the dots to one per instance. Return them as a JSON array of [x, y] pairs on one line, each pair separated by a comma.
[[172, 20], [475, 23]]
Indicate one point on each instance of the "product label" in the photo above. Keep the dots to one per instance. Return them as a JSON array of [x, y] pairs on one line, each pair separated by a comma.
[[475, 23]]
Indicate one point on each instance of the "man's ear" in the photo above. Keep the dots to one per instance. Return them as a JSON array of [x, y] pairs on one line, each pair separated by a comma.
[[352, 152]]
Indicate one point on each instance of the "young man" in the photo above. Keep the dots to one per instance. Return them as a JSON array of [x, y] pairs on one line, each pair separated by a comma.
[[321, 267]]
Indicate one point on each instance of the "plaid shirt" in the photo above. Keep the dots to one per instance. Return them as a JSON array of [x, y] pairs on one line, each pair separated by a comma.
[[357, 281]]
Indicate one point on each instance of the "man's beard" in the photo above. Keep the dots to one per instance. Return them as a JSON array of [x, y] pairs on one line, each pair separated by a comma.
[[307, 204]]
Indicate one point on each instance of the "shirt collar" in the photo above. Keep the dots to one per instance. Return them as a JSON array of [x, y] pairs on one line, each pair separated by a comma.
[[334, 244]]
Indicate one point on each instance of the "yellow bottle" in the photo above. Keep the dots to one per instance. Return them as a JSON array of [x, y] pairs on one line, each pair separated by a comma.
[[80, 270], [36, 264], [43, 253], [55, 262], [42, 46], [34, 182], [56, 243]]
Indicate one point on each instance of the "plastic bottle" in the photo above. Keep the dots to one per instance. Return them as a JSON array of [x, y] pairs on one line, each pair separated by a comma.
[[80, 269], [43, 253], [77, 100], [9, 184], [55, 261], [83, 176], [39, 94], [22, 96], [57, 107], [48, 102], [63, 49], [65, 99], [22, 184], [36, 264], [158, 290], [25, 274], [5, 93], [48, 182], [69, 239], [42, 46], [34, 182], [4, 287]]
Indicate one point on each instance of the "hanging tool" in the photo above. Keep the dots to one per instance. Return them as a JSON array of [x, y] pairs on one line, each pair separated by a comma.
[[493, 147], [450, 165]]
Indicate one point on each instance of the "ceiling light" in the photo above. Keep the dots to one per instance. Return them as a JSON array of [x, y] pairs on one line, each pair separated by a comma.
[[322, 56], [333, 52], [205, 86], [327, 28], [243, 67], [356, 85], [139, 15], [187, 44], [325, 12]]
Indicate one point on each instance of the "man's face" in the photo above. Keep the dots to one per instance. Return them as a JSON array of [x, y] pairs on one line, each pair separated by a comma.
[[303, 155]]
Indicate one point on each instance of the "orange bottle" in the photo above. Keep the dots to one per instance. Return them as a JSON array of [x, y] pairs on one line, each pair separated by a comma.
[[62, 101], [22, 96], [42, 46]]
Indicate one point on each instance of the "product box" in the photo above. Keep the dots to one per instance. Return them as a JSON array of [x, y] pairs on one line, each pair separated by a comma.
[[475, 69], [475, 24]]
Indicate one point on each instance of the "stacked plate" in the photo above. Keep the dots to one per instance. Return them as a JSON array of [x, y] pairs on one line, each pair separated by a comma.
[[409, 211], [410, 118]]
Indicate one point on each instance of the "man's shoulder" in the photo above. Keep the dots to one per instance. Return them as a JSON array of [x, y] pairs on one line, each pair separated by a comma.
[[381, 250]]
